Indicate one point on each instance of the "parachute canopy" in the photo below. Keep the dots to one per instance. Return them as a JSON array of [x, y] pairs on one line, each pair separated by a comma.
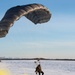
[[36, 13]]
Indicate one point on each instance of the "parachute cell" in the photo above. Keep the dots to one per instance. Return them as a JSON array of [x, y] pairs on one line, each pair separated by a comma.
[[37, 13]]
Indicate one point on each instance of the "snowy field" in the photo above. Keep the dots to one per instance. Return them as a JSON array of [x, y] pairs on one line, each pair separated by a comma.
[[27, 67]]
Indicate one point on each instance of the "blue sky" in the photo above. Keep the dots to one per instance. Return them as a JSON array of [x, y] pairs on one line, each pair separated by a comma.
[[54, 39]]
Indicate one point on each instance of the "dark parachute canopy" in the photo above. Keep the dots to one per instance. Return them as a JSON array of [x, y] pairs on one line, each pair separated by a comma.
[[37, 13]]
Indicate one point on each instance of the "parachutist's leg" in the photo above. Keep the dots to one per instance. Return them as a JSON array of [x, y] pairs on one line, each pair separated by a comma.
[[42, 72], [39, 73]]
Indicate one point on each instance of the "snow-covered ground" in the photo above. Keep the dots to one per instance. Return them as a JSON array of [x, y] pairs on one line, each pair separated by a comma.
[[27, 67]]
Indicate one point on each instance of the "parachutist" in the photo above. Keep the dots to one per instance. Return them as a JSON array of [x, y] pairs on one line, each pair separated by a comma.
[[38, 68]]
